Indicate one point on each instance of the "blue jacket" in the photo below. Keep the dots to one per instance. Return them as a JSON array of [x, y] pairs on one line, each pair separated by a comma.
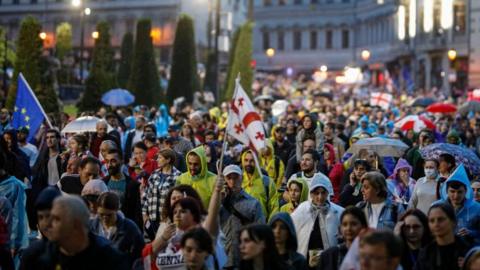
[[370, 129], [469, 215], [162, 121], [388, 216], [14, 190], [295, 259]]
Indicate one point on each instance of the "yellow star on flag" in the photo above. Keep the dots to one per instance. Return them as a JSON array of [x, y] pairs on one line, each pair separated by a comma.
[[27, 118], [24, 111], [27, 126]]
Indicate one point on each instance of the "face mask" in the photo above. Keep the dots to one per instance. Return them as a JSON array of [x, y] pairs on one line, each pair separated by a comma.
[[430, 173]]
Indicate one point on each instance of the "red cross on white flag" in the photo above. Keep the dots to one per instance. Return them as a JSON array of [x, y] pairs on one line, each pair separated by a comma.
[[244, 123], [382, 100]]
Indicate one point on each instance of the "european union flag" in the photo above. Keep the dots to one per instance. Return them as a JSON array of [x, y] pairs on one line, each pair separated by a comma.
[[28, 112]]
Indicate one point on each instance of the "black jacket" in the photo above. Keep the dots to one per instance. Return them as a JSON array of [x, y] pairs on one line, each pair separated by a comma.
[[333, 257], [127, 238], [98, 255], [131, 207], [128, 145], [430, 256], [40, 171]]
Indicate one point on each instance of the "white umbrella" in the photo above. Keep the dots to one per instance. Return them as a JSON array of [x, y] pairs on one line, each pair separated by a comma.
[[279, 107], [83, 124]]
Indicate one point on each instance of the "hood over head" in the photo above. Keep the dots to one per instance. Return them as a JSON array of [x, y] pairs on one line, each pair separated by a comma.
[[459, 175], [200, 152], [401, 164], [288, 222]]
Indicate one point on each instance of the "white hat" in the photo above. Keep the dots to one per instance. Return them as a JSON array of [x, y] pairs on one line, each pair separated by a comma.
[[232, 169], [94, 187]]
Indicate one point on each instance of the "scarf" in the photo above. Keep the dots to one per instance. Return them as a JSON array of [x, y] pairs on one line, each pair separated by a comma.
[[321, 213]]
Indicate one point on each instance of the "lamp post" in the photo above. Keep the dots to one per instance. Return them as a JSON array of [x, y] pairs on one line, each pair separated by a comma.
[[452, 54], [270, 52], [365, 54]]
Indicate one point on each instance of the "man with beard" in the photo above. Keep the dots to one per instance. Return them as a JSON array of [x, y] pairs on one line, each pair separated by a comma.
[[259, 186], [29, 149], [282, 147], [198, 176], [308, 169], [127, 190], [332, 138]]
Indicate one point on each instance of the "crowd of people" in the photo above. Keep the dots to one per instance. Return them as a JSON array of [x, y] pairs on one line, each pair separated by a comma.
[[147, 189]]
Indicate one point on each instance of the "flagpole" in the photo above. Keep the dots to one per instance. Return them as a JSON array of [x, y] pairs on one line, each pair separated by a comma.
[[36, 100]]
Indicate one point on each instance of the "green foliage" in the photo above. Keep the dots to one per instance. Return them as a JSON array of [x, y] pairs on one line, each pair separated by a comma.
[[126, 60], [29, 51], [11, 57], [144, 82], [183, 77], [64, 40], [102, 70], [231, 57], [241, 62]]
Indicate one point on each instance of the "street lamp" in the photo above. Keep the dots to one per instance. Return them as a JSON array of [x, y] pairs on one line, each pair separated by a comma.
[[270, 52], [452, 54], [95, 35], [85, 12], [42, 35], [323, 68], [365, 54], [76, 3]]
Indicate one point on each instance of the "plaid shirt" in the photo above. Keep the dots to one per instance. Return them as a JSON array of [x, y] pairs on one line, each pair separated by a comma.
[[156, 193]]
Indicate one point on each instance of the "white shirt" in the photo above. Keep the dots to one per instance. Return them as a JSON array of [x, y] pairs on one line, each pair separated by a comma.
[[376, 210], [137, 137]]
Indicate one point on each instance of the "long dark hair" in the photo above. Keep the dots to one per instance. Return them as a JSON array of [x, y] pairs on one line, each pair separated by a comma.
[[427, 236], [185, 189], [271, 258]]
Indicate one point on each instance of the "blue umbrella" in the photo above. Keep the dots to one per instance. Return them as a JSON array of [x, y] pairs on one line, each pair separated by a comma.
[[423, 102], [462, 155], [118, 97]]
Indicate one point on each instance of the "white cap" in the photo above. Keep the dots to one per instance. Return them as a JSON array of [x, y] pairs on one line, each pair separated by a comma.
[[232, 169]]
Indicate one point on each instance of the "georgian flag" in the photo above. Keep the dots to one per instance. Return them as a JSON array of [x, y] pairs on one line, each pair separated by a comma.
[[474, 95], [382, 100], [244, 123]]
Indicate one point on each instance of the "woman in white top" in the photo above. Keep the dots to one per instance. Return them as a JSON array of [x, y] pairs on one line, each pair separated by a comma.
[[424, 193]]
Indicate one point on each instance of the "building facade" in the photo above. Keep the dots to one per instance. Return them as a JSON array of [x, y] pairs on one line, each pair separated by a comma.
[[409, 38]]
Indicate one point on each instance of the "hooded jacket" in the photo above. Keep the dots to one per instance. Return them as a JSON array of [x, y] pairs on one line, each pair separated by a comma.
[[289, 207], [261, 188], [14, 190], [304, 219], [295, 259], [319, 138], [469, 214], [204, 182], [396, 187], [162, 121], [370, 129], [273, 165]]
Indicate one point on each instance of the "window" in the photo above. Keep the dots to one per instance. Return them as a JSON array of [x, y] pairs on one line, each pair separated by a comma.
[[329, 39], [314, 1], [313, 40], [33, 1], [282, 2], [298, 2], [281, 41], [459, 20], [297, 40], [345, 39], [267, 2], [16, 2], [266, 41]]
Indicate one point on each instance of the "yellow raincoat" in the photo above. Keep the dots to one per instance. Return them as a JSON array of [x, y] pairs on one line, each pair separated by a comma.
[[269, 164], [289, 207], [204, 182], [261, 188]]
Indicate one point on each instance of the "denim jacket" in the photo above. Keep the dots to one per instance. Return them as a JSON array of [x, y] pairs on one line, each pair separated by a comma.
[[389, 215]]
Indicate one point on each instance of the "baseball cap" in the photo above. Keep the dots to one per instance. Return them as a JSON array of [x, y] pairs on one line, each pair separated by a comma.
[[232, 169]]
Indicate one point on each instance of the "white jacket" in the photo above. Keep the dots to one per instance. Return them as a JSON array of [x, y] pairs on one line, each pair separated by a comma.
[[304, 219]]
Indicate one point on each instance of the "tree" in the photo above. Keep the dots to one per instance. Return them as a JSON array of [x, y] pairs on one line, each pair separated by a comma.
[[126, 60], [241, 62], [10, 52], [29, 62], [64, 40], [231, 57], [183, 76], [102, 70], [144, 81]]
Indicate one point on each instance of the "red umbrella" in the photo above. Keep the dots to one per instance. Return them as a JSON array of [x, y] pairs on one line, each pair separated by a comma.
[[415, 122], [442, 108]]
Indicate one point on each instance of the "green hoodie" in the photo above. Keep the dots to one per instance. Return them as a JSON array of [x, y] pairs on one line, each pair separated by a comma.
[[289, 207], [202, 183], [256, 186]]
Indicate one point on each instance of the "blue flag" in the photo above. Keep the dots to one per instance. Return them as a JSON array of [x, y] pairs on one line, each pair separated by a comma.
[[28, 112]]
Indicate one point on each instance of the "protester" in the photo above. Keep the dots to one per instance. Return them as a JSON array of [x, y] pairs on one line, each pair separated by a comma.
[[475, 185], [425, 193], [414, 157], [73, 184], [309, 129], [238, 210], [400, 184], [99, 136], [197, 248], [259, 186], [133, 136], [122, 232], [297, 193], [334, 170], [472, 259], [127, 189], [139, 166], [71, 245], [380, 250], [352, 222], [29, 149], [316, 222], [198, 176], [258, 250], [413, 229], [180, 144], [381, 212], [281, 146], [272, 164], [351, 193], [155, 194], [90, 193], [448, 250]]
